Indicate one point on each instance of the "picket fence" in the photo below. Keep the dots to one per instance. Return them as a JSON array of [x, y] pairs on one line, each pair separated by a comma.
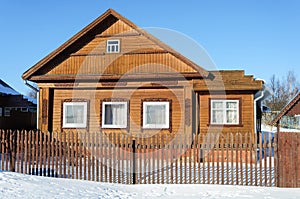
[[234, 159]]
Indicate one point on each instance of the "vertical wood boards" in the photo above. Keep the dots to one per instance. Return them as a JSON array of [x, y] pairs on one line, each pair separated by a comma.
[[38, 153]]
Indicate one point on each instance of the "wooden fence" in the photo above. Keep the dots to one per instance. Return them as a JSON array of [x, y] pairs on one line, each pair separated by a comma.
[[289, 159], [233, 159]]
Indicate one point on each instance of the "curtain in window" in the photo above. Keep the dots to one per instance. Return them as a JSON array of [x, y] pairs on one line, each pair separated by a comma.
[[218, 116], [224, 112], [231, 105], [217, 105], [74, 114], [217, 113], [156, 114], [231, 112], [115, 114], [231, 117]]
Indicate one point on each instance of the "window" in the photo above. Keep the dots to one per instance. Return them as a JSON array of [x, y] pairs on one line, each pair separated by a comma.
[[225, 112], [114, 114], [24, 109], [75, 115], [156, 114], [0, 111], [7, 111], [113, 46]]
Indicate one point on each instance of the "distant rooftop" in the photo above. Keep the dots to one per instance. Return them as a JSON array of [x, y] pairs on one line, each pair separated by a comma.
[[5, 89]]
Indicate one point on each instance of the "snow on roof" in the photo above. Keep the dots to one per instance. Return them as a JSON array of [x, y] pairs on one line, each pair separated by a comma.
[[32, 100], [5, 89]]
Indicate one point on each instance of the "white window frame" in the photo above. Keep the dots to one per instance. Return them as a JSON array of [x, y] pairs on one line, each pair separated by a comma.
[[109, 46], [75, 125], [146, 125], [224, 109], [114, 125]]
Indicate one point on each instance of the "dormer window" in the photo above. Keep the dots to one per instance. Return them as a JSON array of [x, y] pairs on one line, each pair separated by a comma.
[[113, 46]]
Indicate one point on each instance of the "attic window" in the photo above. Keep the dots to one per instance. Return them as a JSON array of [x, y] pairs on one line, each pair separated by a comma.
[[113, 46]]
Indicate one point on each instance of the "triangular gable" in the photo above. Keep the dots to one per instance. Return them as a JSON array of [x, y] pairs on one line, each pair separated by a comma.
[[77, 50], [294, 102]]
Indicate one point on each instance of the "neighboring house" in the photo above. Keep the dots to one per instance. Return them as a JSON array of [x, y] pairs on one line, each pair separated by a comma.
[[16, 110], [289, 116], [114, 77]]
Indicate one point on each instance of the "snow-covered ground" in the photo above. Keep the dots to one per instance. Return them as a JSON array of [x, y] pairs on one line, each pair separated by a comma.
[[273, 129], [15, 185]]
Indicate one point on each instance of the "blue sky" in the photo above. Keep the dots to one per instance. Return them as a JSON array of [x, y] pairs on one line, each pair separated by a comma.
[[261, 37]]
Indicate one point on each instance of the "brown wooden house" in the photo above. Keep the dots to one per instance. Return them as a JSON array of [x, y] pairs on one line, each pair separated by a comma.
[[114, 77], [289, 116], [16, 111]]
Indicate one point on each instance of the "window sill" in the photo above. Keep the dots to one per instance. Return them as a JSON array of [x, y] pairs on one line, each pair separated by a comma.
[[114, 128], [157, 129], [226, 125], [67, 127]]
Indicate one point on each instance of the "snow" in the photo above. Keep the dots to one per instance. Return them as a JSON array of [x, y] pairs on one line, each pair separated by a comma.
[[15, 185], [273, 129], [32, 100], [7, 90]]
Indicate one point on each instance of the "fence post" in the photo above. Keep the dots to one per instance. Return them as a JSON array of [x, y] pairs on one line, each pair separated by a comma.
[[12, 151], [133, 162], [277, 157]]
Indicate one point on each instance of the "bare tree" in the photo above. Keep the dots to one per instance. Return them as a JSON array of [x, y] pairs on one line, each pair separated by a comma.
[[32, 93], [282, 90]]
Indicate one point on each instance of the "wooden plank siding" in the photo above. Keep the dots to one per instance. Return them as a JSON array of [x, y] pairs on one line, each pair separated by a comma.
[[134, 97], [246, 113], [116, 64], [182, 117], [119, 28]]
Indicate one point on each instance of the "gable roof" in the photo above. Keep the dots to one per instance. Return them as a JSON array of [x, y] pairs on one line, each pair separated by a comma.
[[5, 89], [286, 109], [97, 24]]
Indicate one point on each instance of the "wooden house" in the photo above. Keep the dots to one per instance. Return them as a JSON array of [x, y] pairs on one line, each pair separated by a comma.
[[289, 116], [113, 76], [16, 111]]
